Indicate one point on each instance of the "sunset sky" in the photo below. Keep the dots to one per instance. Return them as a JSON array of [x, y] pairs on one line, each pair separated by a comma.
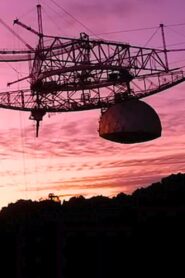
[[69, 158]]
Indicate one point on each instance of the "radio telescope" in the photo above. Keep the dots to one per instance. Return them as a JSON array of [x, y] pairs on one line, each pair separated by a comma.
[[76, 74]]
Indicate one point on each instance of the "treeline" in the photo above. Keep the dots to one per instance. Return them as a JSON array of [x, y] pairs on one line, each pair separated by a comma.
[[98, 237]]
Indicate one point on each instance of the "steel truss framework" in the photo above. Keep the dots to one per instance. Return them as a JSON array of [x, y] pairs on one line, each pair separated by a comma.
[[81, 74]]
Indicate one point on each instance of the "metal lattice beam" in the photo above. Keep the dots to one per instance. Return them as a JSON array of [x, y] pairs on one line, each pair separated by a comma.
[[64, 101]]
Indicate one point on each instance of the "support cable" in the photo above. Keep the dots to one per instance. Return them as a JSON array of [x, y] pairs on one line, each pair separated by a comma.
[[151, 37], [52, 20], [176, 32], [23, 152], [74, 18]]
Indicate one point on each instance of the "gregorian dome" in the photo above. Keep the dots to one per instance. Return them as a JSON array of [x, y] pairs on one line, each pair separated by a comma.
[[131, 121]]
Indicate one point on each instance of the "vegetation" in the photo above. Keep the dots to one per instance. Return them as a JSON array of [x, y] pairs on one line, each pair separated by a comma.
[[97, 237]]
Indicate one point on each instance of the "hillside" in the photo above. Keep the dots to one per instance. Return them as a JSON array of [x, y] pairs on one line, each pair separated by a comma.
[[97, 237]]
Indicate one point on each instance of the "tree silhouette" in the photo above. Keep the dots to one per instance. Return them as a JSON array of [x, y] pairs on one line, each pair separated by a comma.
[[99, 236]]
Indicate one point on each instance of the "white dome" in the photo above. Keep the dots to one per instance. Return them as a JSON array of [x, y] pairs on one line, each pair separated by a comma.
[[131, 121]]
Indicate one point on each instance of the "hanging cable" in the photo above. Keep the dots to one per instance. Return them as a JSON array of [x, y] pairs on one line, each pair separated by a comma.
[[9, 64], [127, 31], [176, 32], [151, 37], [52, 20], [74, 18], [174, 44], [137, 29], [36, 162], [173, 25], [23, 152], [27, 13]]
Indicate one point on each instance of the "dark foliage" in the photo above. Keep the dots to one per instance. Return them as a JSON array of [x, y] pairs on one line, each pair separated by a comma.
[[97, 237]]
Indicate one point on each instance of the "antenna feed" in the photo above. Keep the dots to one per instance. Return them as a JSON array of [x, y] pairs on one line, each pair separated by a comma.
[[37, 115]]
